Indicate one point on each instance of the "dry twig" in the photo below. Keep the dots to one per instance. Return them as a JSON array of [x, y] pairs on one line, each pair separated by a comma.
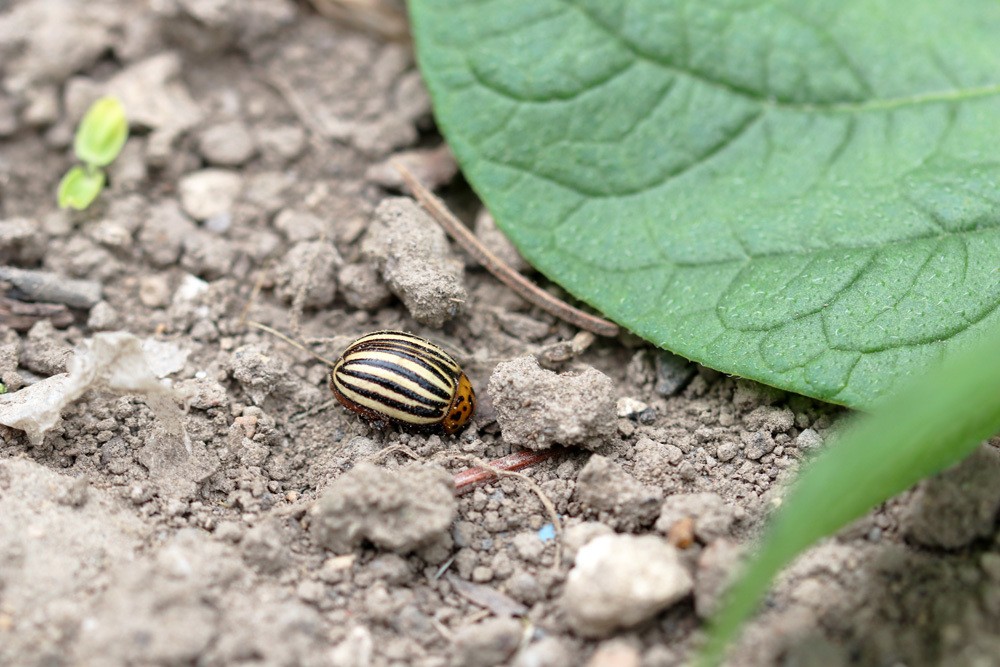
[[503, 272]]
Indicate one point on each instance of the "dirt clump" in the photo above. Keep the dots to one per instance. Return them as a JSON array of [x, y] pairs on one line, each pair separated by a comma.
[[416, 261], [959, 505], [400, 511], [620, 500], [537, 408]]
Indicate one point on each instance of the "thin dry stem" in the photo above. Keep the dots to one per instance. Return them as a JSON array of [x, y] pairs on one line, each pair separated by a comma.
[[291, 341], [254, 293], [547, 503], [393, 449], [503, 272]]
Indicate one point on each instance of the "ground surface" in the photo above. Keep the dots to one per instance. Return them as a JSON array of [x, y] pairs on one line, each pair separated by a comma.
[[261, 131]]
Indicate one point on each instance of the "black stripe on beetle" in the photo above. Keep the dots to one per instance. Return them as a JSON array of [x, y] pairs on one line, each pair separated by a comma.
[[444, 374], [436, 357], [357, 371], [396, 377]]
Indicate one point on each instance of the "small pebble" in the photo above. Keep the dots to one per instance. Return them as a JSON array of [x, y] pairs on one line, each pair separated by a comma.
[[228, 144], [549, 651], [154, 291], [102, 317], [672, 373], [488, 643], [713, 517], [756, 444], [615, 653], [285, 142], [299, 225], [629, 407], [209, 192], [808, 439], [727, 451], [603, 486]]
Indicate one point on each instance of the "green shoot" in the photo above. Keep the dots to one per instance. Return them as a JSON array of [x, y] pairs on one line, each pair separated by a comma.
[[931, 425], [99, 140], [80, 186]]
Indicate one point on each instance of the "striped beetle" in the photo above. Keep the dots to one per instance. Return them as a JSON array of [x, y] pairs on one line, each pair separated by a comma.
[[396, 377]]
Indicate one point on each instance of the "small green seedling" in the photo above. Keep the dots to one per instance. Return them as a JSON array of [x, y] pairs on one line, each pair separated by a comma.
[[98, 141]]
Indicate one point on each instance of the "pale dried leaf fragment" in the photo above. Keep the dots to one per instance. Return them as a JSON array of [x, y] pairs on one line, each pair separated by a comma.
[[114, 362]]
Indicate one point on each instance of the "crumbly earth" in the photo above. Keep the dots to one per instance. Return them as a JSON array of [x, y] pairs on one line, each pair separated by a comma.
[[260, 147]]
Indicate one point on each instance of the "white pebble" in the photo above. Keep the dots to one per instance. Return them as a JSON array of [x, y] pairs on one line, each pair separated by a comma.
[[620, 581]]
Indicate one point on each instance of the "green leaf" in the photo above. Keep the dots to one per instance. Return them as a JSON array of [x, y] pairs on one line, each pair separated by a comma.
[[79, 187], [800, 192], [931, 425], [102, 133]]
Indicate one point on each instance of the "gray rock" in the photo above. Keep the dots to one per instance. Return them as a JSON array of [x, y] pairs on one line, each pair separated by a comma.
[[260, 373], [771, 419], [228, 144], [577, 535], [103, 317], [757, 443], [616, 653], [727, 451], [163, 232], [672, 373], [209, 192], [654, 455], [22, 241], [549, 651], [281, 142], [207, 255]]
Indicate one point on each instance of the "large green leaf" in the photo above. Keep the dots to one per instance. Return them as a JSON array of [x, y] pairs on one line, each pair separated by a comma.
[[803, 192]]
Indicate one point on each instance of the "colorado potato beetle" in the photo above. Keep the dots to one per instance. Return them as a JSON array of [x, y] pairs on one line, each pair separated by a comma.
[[396, 377]]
